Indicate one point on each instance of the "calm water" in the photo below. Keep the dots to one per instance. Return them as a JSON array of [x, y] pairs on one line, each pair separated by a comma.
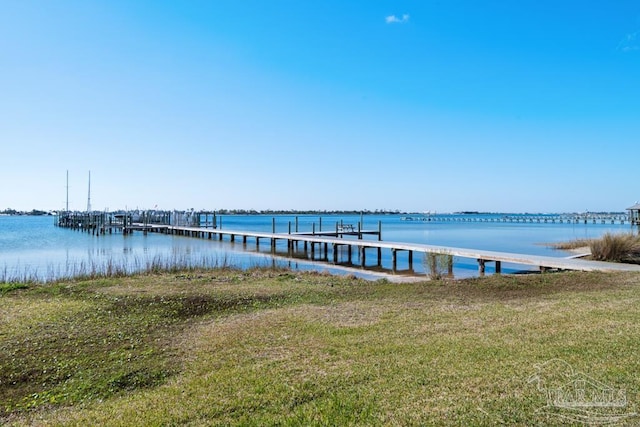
[[33, 246]]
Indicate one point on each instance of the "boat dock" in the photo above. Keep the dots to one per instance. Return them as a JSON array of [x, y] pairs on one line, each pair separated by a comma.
[[343, 244], [328, 248]]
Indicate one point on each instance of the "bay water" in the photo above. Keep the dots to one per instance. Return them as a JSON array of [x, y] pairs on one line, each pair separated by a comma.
[[33, 247]]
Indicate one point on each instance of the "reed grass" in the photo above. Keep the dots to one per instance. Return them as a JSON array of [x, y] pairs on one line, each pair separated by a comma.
[[621, 247], [115, 268], [612, 247], [438, 264], [572, 244]]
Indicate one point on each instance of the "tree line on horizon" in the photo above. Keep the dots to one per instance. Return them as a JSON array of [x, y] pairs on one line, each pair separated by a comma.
[[37, 212], [33, 212]]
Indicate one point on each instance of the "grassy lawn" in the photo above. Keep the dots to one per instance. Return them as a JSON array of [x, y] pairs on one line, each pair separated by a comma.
[[264, 347]]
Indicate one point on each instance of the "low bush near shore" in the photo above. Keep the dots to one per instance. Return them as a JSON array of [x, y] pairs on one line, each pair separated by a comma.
[[438, 264], [612, 247], [616, 247]]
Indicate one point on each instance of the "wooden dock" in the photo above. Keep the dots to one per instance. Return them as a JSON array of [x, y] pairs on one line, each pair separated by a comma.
[[327, 248], [325, 245]]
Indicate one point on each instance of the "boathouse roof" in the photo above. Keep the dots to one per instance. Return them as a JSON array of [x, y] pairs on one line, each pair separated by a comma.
[[635, 207]]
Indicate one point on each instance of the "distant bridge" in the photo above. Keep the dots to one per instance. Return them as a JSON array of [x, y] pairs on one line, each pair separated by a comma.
[[616, 218]]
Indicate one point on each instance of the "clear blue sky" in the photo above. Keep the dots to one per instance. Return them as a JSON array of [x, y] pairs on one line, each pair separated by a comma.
[[425, 105]]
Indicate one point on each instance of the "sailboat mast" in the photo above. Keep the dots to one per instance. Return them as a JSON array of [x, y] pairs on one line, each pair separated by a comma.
[[67, 205], [89, 194]]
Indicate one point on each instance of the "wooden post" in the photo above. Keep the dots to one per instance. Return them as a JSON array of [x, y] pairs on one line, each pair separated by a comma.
[[321, 224], [349, 251], [335, 253], [379, 230], [273, 225], [410, 260], [394, 259], [481, 266], [498, 267], [296, 224], [379, 257], [363, 259]]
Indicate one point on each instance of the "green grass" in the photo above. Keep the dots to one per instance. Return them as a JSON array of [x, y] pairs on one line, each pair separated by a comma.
[[8, 287], [265, 347]]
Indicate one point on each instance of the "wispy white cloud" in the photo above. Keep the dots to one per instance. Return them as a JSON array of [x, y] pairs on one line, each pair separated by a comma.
[[630, 42], [393, 19]]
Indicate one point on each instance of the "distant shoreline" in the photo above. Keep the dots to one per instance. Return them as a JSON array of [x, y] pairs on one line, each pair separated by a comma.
[[37, 212]]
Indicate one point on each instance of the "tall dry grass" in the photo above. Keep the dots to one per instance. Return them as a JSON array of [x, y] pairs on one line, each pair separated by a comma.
[[115, 267], [619, 247], [438, 264], [573, 244]]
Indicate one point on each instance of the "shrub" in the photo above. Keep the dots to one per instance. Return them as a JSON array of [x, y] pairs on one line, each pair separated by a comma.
[[438, 264], [616, 247]]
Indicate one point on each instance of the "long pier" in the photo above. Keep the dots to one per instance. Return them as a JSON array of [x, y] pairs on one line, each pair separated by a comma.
[[327, 248], [327, 245]]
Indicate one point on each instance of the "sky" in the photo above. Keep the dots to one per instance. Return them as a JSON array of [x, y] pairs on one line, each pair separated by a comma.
[[424, 105]]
